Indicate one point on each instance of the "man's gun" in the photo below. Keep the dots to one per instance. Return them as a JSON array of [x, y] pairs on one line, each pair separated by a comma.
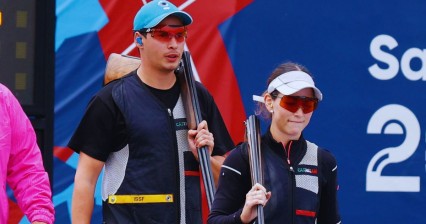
[[192, 107], [255, 157]]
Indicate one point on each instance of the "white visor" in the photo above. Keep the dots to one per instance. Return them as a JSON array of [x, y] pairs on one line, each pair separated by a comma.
[[294, 81]]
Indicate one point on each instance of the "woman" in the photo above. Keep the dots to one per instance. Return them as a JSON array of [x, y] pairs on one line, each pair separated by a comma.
[[21, 164], [300, 178]]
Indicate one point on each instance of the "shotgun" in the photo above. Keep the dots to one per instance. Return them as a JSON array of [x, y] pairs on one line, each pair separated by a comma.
[[255, 158], [192, 107]]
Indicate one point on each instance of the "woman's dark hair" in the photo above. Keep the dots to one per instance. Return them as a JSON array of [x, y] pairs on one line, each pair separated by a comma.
[[281, 69]]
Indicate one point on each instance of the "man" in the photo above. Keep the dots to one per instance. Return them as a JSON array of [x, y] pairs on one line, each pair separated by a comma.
[[136, 127], [21, 165]]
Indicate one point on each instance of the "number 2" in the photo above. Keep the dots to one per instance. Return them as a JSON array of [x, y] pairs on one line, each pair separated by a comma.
[[384, 122]]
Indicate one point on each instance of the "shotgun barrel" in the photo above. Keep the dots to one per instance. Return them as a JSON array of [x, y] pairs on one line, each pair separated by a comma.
[[190, 98], [255, 157]]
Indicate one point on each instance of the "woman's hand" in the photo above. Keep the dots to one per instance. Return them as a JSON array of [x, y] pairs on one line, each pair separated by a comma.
[[256, 196]]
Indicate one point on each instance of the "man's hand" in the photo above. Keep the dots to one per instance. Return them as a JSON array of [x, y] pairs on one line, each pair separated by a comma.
[[199, 138]]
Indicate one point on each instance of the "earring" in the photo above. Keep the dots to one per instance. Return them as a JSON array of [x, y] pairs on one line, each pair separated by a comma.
[[272, 111]]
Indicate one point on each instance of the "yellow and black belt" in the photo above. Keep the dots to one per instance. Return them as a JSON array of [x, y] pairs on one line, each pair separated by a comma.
[[140, 198]]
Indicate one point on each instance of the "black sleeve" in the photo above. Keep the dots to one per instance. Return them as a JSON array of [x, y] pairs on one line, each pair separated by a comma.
[[329, 210], [101, 130], [234, 183], [210, 112]]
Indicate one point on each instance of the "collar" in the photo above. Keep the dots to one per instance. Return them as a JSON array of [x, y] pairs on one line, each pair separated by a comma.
[[298, 147]]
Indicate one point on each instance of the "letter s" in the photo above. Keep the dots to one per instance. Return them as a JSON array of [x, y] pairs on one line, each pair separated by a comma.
[[389, 59]]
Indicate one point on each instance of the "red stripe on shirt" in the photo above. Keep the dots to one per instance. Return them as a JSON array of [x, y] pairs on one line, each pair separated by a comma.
[[305, 213]]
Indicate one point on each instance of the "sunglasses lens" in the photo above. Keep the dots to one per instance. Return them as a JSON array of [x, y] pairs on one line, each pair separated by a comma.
[[161, 35], [180, 37], [293, 103], [166, 33]]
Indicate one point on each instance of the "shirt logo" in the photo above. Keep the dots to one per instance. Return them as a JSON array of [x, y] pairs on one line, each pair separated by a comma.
[[307, 170], [181, 124]]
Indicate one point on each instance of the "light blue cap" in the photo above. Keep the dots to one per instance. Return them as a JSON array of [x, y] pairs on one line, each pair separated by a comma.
[[152, 13]]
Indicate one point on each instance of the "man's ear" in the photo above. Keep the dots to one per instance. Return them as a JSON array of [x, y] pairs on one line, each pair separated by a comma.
[[138, 39]]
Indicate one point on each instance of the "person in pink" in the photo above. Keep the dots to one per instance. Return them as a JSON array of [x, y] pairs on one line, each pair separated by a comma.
[[21, 164]]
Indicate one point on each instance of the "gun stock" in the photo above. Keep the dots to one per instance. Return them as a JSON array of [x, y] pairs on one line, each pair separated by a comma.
[[119, 65]]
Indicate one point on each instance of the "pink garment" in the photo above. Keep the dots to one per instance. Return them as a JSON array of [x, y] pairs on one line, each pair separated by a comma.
[[21, 165]]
